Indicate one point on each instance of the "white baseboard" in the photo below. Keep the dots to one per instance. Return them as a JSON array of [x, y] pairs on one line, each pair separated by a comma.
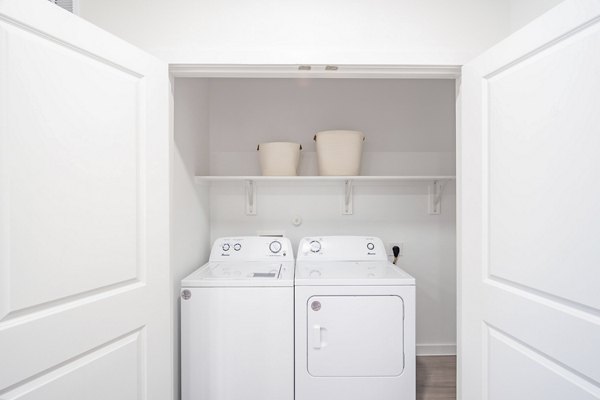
[[436, 350]]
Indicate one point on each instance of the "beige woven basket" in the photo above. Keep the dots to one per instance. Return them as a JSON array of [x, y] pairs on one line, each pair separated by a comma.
[[279, 158], [339, 152]]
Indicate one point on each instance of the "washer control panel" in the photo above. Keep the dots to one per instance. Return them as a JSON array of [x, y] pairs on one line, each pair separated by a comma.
[[252, 248], [342, 248]]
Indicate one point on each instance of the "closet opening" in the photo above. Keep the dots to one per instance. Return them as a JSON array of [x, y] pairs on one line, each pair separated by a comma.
[[405, 193]]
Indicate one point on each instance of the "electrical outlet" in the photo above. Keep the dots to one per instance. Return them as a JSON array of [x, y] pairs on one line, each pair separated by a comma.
[[391, 246]]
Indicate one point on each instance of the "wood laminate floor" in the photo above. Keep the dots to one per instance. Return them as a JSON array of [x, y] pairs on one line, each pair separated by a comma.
[[436, 378]]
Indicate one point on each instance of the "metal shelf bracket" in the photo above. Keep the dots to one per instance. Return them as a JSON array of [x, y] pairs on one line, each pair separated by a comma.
[[250, 197], [348, 197], [434, 200]]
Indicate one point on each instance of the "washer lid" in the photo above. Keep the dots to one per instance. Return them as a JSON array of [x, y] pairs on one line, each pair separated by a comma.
[[233, 274], [351, 273]]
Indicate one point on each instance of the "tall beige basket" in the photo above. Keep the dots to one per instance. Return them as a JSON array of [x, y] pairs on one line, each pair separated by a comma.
[[279, 158], [339, 152]]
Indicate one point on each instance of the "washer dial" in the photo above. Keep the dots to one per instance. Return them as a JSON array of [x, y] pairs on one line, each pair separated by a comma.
[[370, 246], [237, 247], [315, 246], [226, 247], [275, 246]]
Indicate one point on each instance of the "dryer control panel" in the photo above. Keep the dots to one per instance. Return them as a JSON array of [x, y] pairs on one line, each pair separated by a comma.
[[341, 248], [252, 248]]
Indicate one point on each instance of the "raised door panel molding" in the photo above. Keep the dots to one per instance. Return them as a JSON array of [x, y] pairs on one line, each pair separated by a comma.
[[518, 372], [73, 214], [43, 340], [544, 134], [560, 332], [119, 363]]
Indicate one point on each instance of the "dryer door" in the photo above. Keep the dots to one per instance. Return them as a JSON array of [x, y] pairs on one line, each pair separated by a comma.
[[355, 336]]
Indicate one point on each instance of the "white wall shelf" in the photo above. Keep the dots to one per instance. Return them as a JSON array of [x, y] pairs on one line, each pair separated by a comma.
[[359, 178], [435, 184]]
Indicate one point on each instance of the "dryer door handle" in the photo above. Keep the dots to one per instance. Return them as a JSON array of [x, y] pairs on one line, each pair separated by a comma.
[[316, 338]]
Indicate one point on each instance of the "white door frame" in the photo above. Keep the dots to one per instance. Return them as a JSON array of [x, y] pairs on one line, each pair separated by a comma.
[[316, 71]]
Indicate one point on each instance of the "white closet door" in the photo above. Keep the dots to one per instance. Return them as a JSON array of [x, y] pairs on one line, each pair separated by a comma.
[[530, 223], [84, 191]]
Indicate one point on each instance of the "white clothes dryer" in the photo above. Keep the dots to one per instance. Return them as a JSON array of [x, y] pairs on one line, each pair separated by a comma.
[[237, 322], [355, 322]]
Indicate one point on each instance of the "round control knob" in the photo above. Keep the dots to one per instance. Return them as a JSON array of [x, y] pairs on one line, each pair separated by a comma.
[[237, 247], [315, 246], [370, 246], [275, 246], [225, 247]]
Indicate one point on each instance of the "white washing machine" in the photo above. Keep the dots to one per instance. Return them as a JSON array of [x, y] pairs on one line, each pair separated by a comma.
[[237, 322], [355, 322]]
